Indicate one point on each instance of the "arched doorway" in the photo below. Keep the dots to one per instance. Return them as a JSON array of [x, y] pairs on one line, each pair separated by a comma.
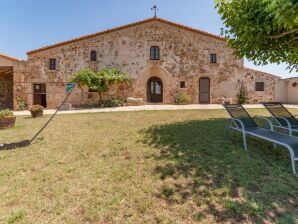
[[204, 90], [154, 90]]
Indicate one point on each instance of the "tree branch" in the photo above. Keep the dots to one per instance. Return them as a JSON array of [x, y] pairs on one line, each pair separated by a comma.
[[296, 38], [283, 34]]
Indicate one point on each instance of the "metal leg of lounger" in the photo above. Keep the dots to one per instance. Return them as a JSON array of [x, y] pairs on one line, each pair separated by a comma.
[[293, 166], [244, 140], [292, 159], [227, 129], [272, 129]]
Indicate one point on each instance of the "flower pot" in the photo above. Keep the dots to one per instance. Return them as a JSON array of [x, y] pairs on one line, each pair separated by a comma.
[[7, 122], [36, 114]]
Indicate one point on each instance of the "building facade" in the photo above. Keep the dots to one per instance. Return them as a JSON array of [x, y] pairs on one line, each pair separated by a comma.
[[164, 59]]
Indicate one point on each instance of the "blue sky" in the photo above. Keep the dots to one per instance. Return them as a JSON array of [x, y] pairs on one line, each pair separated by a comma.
[[30, 24]]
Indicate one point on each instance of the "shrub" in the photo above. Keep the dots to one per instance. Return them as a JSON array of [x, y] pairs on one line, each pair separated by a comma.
[[183, 99], [36, 108], [113, 103], [6, 113], [242, 95], [23, 105]]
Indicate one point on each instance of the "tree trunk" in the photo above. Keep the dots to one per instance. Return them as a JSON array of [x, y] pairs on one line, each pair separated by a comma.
[[100, 97]]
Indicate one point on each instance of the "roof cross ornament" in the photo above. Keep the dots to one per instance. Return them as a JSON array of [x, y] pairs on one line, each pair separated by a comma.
[[155, 9]]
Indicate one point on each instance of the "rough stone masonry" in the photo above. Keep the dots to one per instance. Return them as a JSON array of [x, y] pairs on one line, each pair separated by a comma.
[[184, 61]]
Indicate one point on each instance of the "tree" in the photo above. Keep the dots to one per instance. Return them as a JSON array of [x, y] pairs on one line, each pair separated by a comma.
[[242, 95], [264, 31], [100, 81]]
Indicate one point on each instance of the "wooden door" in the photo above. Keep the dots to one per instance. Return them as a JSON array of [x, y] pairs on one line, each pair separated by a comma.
[[40, 95], [155, 90], [204, 90]]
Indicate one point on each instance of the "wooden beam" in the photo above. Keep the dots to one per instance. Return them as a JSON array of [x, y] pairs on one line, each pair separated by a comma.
[[6, 71], [6, 67], [9, 72]]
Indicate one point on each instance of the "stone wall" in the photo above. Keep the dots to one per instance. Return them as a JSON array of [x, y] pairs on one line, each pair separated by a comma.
[[184, 57], [293, 90], [288, 91], [6, 91], [6, 82]]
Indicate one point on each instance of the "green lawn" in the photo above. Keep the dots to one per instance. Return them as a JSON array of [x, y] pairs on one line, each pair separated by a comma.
[[143, 167]]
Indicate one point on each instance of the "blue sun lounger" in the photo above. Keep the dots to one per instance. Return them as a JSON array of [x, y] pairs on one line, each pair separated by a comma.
[[282, 118], [242, 122]]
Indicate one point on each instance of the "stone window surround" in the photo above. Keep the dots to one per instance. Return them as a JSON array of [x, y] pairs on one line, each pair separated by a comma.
[[93, 55], [155, 55], [259, 86], [52, 64], [182, 84], [213, 58], [47, 65]]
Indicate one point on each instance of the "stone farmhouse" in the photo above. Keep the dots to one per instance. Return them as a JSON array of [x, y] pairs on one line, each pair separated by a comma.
[[163, 58]]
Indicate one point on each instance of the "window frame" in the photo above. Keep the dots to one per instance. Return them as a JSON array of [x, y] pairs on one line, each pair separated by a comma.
[[182, 85], [258, 89], [154, 53], [53, 64], [213, 58], [93, 55]]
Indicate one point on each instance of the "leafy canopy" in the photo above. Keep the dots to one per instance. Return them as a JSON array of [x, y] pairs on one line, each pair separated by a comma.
[[100, 81], [262, 30]]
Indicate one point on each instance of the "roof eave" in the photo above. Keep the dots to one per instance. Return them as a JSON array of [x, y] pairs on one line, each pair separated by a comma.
[[9, 57], [123, 27]]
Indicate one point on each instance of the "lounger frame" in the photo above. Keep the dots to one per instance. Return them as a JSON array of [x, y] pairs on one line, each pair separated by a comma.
[[276, 123], [232, 125]]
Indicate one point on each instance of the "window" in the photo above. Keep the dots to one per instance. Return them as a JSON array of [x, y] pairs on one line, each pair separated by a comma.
[[260, 86], [154, 53], [53, 64], [92, 91], [93, 56], [213, 58], [182, 84]]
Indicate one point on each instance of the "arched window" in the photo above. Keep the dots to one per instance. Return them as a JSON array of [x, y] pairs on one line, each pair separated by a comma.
[[93, 56], [154, 53]]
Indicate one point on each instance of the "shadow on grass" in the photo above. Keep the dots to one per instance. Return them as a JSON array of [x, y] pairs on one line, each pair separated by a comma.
[[198, 165]]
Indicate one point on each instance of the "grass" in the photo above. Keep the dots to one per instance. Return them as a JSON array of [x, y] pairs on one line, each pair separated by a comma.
[[143, 167]]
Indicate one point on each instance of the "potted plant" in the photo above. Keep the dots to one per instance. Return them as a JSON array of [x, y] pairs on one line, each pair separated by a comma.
[[7, 120], [36, 110]]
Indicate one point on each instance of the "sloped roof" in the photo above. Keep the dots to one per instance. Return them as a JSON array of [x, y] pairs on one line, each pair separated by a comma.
[[8, 57], [123, 27]]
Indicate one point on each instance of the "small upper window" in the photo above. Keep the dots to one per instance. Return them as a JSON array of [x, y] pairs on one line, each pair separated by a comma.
[[182, 84], [53, 64], [260, 86], [93, 56], [92, 91], [213, 58], [154, 53]]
